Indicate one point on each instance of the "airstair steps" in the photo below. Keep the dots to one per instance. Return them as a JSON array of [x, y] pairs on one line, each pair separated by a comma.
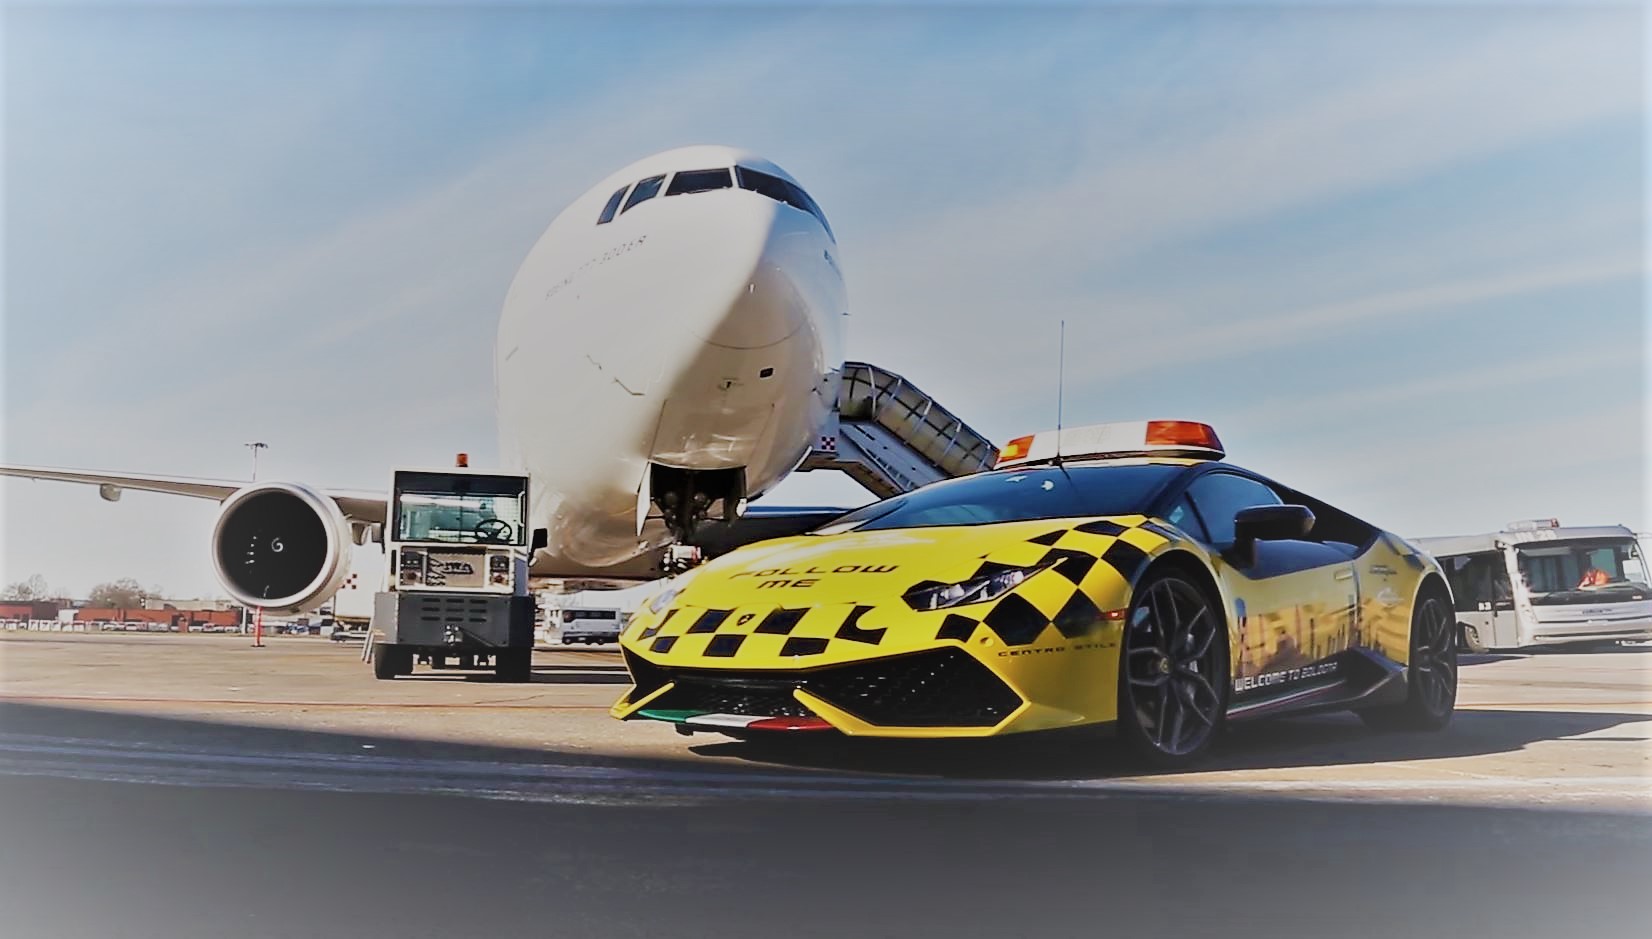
[[891, 437]]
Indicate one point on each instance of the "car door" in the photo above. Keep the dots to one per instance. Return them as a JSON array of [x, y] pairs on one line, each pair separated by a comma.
[[1295, 599], [1390, 573]]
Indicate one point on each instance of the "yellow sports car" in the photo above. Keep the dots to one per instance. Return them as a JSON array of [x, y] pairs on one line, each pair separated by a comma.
[[1126, 577]]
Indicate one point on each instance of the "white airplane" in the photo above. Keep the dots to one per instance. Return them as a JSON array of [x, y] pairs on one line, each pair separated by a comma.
[[670, 348]]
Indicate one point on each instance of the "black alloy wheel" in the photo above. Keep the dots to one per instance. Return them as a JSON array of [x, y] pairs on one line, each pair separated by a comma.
[[1173, 678], [1431, 676]]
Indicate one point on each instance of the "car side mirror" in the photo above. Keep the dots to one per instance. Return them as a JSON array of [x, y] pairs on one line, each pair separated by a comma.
[[1268, 523], [541, 538]]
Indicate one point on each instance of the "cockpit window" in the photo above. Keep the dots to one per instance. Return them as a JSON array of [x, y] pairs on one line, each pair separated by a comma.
[[689, 181], [781, 190], [646, 189], [612, 208]]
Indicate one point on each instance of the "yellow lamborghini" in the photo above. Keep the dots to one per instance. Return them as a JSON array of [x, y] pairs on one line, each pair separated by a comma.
[[1122, 575]]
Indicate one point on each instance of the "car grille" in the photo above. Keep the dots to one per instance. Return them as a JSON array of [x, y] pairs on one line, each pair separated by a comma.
[[444, 609], [941, 688], [767, 699], [938, 688]]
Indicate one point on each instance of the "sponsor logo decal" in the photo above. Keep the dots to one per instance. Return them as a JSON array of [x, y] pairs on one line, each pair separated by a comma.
[[1045, 650], [1286, 676]]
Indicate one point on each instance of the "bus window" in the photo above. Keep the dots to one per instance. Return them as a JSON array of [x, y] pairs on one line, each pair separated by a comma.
[[646, 189], [1474, 580]]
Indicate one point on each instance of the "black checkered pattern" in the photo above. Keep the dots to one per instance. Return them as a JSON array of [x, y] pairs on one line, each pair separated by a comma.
[[1090, 558]]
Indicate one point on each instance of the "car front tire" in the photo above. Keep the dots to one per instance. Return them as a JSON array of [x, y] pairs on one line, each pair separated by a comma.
[[1173, 671]]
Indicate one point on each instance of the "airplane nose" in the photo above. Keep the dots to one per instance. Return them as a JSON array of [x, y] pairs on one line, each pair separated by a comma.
[[747, 258], [769, 309]]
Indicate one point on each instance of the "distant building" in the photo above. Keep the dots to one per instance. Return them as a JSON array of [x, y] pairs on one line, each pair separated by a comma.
[[23, 610], [218, 606], [177, 620]]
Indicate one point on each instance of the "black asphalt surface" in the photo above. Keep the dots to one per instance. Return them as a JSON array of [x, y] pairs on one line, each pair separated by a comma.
[[88, 856]]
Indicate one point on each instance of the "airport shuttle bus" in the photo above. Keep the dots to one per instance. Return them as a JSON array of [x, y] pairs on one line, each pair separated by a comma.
[[457, 591], [589, 625], [1536, 583]]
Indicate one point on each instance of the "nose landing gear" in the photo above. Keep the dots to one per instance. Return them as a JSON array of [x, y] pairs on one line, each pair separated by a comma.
[[688, 497]]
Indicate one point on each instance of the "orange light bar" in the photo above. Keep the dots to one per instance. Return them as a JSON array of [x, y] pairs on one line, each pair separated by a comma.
[[1182, 434], [1015, 449]]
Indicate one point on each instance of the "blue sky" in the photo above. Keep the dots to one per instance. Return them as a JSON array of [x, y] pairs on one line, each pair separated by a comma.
[[1395, 252]]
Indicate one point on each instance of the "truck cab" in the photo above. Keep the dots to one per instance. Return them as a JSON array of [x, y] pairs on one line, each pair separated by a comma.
[[457, 552]]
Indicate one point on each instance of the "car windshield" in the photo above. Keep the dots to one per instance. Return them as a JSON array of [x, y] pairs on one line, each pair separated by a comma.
[[1581, 571], [1014, 496]]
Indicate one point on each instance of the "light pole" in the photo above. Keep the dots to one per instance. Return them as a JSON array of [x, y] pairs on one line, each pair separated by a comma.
[[258, 625], [255, 446]]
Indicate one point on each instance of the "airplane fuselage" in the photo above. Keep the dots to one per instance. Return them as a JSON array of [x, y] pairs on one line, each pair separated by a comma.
[[695, 335]]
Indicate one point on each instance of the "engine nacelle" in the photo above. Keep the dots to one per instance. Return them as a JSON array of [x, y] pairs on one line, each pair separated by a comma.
[[281, 546]]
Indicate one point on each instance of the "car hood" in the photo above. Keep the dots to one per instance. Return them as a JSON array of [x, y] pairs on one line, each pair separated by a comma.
[[877, 567]]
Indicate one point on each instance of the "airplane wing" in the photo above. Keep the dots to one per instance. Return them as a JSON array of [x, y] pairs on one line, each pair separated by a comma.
[[357, 505]]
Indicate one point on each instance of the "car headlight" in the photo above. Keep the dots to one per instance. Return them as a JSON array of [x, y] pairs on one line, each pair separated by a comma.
[[932, 596], [664, 597]]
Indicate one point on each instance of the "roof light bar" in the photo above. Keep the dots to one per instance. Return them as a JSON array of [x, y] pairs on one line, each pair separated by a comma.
[[1115, 441], [1015, 450]]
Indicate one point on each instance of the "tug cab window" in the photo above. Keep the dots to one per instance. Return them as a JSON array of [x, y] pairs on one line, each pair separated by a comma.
[[612, 208], [781, 190], [689, 181], [646, 189]]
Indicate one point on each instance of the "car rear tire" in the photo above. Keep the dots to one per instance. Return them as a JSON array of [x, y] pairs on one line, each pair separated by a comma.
[[390, 661], [513, 665], [1173, 671], [1431, 675]]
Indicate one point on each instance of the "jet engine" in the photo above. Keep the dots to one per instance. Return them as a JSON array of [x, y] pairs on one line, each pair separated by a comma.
[[281, 546]]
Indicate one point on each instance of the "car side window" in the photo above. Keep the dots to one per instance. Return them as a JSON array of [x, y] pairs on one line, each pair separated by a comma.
[[1219, 496], [1182, 516]]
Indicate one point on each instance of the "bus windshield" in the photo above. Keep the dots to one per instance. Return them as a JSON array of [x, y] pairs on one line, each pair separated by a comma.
[[460, 509], [1582, 571]]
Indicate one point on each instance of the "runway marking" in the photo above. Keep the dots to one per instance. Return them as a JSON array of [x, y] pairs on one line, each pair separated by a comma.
[[31, 755]]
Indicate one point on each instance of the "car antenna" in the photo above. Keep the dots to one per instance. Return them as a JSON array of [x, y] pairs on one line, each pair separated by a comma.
[[1060, 380]]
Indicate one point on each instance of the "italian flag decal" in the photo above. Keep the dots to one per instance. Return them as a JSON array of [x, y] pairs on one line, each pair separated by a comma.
[[711, 721]]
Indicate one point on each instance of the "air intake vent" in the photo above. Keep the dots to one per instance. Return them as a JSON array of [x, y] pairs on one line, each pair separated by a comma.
[[940, 688], [731, 696]]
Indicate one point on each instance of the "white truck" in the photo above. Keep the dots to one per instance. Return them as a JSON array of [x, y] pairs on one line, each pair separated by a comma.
[[457, 554]]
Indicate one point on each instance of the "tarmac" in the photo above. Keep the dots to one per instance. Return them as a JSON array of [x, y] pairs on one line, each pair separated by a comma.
[[195, 786]]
